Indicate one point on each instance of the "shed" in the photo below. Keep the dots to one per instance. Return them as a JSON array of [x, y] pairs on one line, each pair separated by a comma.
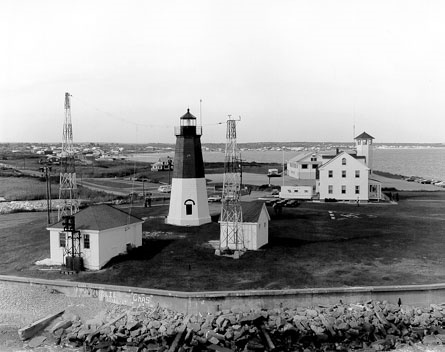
[[105, 232], [255, 226]]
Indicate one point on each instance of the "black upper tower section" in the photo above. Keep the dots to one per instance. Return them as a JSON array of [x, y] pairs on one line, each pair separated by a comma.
[[188, 162]]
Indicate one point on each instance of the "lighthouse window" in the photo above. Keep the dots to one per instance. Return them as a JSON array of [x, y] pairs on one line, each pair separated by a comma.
[[189, 206]]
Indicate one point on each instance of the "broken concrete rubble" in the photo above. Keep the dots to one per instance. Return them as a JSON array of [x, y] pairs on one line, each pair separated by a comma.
[[372, 325]]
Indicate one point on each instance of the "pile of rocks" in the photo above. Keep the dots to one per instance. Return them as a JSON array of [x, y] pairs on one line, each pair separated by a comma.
[[372, 325]]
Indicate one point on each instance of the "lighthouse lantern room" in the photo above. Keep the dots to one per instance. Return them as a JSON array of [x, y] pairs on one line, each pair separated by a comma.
[[188, 201]]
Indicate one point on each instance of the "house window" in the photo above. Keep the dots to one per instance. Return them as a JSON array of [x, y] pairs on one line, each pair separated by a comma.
[[343, 161], [314, 158], [343, 189], [343, 173], [314, 166], [357, 189], [86, 241], [62, 239], [357, 173], [304, 166], [264, 224], [330, 189], [330, 173]]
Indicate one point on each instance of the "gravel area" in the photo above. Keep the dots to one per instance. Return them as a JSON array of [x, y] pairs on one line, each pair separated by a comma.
[[22, 304]]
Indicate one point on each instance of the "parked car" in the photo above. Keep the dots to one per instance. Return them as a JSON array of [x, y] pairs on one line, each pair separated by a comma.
[[214, 198], [292, 203], [165, 189], [271, 202]]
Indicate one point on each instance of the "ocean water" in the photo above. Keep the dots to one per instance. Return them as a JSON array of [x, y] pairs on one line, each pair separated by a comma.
[[423, 162]]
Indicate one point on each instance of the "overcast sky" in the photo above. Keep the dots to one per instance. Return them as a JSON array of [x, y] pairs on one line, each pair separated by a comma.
[[293, 70]]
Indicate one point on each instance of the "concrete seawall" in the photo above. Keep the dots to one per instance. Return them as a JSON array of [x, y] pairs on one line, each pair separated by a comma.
[[202, 302]]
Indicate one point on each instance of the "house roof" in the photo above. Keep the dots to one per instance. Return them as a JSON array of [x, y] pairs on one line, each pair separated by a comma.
[[100, 217], [364, 135], [300, 156], [343, 154]]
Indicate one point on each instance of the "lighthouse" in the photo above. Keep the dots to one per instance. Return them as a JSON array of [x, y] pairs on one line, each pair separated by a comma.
[[188, 200]]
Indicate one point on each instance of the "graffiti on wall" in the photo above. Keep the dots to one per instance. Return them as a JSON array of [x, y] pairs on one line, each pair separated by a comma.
[[117, 297]]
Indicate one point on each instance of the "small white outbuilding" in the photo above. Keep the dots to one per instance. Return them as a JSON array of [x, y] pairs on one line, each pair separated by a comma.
[[105, 232], [255, 226]]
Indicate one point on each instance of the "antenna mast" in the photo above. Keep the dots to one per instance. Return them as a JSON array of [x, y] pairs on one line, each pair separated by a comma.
[[231, 233], [68, 186]]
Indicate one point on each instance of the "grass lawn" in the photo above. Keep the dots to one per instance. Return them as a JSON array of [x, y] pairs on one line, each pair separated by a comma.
[[367, 245], [18, 188]]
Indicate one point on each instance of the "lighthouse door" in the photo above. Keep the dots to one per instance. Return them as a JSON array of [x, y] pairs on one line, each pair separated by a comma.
[[189, 203]]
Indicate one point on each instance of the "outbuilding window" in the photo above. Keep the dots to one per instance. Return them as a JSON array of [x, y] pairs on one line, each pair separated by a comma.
[[86, 241], [62, 239]]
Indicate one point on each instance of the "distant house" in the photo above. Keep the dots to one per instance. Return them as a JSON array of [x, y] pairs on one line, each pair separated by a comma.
[[304, 166], [255, 226], [105, 232], [343, 175], [163, 164]]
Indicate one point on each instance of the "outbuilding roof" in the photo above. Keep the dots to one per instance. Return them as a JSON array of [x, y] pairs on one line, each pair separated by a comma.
[[100, 217], [252, 211]]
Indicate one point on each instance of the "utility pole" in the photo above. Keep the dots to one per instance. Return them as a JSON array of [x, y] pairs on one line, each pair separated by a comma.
[[47, 171]]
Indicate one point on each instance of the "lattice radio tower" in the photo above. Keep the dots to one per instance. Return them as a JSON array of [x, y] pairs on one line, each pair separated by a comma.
[[69, 204], [231, 237]]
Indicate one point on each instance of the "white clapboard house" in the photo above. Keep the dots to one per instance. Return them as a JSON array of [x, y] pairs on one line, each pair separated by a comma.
[[105, 232]]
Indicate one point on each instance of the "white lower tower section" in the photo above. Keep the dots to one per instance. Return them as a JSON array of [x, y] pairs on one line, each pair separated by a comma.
[[188, 202]]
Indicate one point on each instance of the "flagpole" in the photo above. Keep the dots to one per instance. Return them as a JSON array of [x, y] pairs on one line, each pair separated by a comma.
[[200, 111]]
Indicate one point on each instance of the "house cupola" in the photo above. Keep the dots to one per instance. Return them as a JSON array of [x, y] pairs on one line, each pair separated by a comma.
[[365, 148]]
